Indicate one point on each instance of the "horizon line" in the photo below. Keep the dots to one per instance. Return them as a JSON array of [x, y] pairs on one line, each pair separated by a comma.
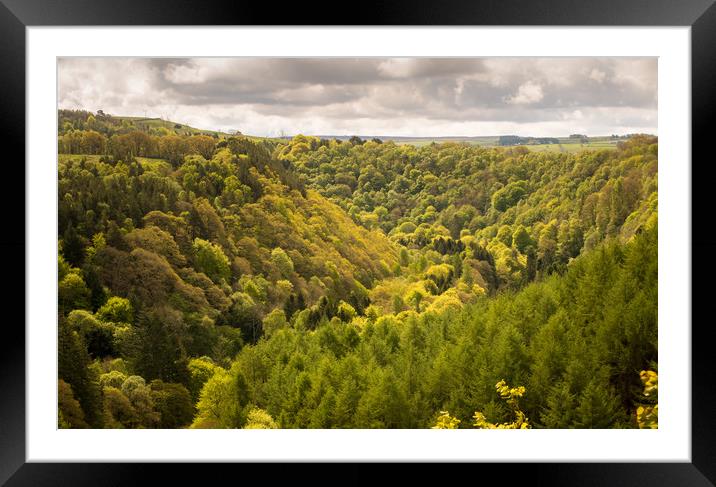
[[228, 131]]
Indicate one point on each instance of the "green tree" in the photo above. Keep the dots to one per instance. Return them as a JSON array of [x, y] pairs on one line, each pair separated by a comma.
[[173, 403], [200, 371], [155, 350], [142, 400], [73, 246], [259, 419], [282, 261], [404, 257], [414, 298], [218, 406], [116, 310], [98, 336], [118, 410], [73, 368], [210, 259], [73, 293], [521, 239], [509, 195], [345, 312], [70, 410], [274, 321]]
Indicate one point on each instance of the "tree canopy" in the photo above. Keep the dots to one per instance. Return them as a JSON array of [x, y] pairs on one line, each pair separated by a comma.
[[213, 281]]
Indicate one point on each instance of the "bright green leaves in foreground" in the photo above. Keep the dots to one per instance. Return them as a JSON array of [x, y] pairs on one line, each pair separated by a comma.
[[446, 422], [647, 415], [509, 395], [260, 419]]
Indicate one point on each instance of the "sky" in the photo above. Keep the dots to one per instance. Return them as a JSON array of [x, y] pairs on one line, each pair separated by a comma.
[[427, 97]]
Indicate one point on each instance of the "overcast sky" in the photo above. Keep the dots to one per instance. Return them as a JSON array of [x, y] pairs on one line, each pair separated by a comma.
[[373, 96]]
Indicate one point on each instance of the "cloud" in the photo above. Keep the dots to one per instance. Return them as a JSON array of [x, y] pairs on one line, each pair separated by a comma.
[[597, 75], [527, 94], [389, 96]]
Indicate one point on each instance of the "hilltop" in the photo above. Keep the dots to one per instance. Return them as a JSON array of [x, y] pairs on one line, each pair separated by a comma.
[[113, 124], [109, 125]]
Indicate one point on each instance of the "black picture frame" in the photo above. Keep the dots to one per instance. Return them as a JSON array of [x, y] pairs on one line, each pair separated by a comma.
[[16, 15]]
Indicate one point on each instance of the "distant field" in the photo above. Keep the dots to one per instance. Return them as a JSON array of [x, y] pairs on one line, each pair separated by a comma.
[[481, 141], [181, 129], [566, 144], [571, 147], [423, 141]]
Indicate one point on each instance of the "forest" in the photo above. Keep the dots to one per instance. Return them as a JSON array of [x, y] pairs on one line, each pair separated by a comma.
[[208, 280]]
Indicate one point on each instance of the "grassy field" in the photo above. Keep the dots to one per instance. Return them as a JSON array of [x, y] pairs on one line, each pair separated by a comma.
[[143, 123], [572, 147], [566, 144], [487, 141]]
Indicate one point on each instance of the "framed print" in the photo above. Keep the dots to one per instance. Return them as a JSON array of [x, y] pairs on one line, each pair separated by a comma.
[[309, 243]]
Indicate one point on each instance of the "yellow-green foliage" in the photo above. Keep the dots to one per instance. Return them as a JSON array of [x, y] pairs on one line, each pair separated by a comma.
[[647, 415], [501, 195], [217, 407], [446, 422], [441, 275], [200, 371], [260, 419], [448, 299], [319, 283], [397, 370], [510, 395]]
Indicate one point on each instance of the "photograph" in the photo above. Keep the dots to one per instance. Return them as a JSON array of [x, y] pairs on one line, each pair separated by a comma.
[[357, 242]]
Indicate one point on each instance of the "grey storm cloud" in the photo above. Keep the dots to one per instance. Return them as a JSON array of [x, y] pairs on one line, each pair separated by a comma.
[[391, 96]]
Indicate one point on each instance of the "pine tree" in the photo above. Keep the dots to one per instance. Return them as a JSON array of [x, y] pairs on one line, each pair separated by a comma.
[[73, 368]]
